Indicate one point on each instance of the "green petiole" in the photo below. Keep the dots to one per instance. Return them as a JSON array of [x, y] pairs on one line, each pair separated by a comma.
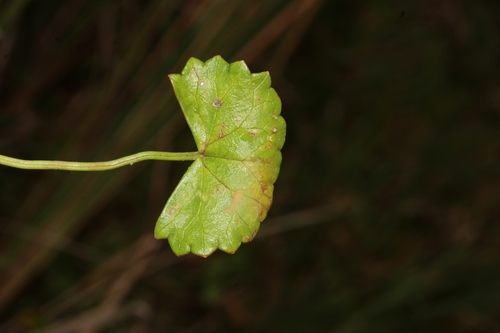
[[97, 166]]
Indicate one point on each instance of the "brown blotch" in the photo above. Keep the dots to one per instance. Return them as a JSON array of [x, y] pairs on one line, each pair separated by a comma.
[[262, 212], [264, 188], [222, 132], [174, 209], [217, 103], [247, 239], [234, 201]]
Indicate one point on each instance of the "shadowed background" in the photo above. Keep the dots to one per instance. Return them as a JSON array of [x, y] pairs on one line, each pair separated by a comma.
[[385, 215]]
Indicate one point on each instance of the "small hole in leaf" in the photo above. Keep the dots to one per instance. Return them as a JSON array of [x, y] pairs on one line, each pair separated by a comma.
[[217, 103]]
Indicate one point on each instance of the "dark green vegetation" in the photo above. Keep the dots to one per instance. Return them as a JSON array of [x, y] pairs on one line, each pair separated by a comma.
[[385, 214]]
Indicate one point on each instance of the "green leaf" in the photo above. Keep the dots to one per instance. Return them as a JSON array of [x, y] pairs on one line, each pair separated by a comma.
[[234, 116]]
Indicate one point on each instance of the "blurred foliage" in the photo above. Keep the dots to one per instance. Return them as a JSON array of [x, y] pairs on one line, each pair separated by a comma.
[[386, 211]]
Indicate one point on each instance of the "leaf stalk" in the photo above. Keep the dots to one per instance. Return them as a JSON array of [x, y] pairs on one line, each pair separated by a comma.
[[97, 166]]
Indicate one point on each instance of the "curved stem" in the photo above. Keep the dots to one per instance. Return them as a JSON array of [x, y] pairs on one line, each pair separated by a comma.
[[97, 166]]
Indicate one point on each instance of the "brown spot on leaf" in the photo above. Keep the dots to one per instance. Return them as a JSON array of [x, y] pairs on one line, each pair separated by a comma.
[[217, 103], [262, 212], [217, 191], [174, 209], [275, 130], [222, 132], [252, 132], [247, 239], [235, 201], [268, 145]]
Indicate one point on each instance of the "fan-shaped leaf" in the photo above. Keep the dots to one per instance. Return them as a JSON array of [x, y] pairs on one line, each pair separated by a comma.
[[234, 116]]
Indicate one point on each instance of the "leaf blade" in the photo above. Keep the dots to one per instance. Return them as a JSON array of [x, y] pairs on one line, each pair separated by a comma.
[[234, 116]]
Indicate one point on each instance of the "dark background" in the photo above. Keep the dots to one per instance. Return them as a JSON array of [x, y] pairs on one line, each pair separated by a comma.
[[385, 216]]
